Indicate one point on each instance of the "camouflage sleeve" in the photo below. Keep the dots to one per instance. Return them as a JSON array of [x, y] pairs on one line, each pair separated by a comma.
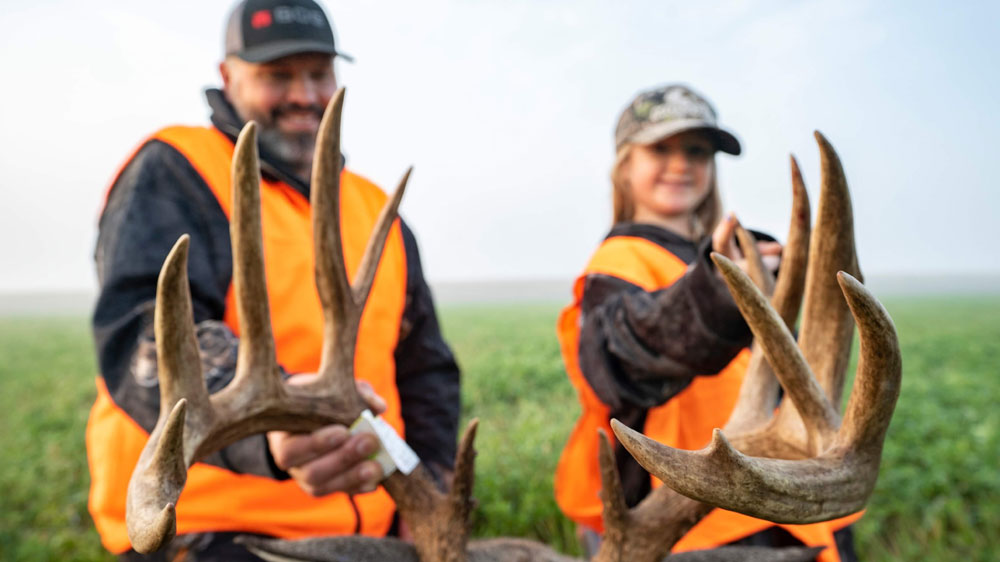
[[642, 348]]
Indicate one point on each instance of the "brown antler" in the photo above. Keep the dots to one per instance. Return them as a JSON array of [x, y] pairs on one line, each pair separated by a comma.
[[803, 464], [193, 424], [760, 387]]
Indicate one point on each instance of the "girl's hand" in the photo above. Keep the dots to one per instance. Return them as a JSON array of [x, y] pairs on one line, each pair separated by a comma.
[[724, 242], [724, 239]]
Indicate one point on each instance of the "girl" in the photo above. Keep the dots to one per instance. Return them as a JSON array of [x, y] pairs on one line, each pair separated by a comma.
[[653, 337]]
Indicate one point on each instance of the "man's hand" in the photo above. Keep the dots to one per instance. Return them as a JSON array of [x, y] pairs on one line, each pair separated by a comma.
[[724, 242], [330, 459]]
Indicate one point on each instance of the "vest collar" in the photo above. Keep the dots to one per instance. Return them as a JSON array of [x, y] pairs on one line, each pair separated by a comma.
[[676, 244]]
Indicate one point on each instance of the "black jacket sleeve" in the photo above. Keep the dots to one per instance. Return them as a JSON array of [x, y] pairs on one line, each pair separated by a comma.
[[426, 373], [157, 198], [640, 348]]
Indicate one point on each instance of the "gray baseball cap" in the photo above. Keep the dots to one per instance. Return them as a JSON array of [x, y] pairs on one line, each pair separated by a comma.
[[661, 112], [265, 30]]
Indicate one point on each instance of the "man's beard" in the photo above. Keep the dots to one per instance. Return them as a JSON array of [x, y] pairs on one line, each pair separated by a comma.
[[293, 149]]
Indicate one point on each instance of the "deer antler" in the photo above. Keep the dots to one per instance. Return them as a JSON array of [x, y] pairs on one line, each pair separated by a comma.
[[193, 424], [760, 387], [803, 464]]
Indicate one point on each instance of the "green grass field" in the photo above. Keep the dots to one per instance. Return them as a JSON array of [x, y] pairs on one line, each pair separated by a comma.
[[938, 497]]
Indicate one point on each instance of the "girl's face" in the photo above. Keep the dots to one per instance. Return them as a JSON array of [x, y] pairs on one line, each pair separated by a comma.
[[669, 179]]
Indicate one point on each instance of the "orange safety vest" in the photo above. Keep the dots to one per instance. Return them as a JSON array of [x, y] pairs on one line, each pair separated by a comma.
[[215, 499], [686, 421]]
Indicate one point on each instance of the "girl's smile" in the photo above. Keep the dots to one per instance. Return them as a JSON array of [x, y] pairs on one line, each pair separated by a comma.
[[670, 178]]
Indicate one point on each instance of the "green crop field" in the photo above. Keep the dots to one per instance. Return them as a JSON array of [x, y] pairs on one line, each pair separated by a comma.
[[938, 496]]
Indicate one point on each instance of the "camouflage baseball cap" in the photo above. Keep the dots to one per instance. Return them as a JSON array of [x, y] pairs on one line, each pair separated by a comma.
[[661, 112]]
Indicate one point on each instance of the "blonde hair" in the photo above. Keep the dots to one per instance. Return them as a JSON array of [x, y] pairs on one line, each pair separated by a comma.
[[704, 219]]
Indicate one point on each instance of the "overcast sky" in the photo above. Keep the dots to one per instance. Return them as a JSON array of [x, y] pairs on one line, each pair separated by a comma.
[[506, 110]]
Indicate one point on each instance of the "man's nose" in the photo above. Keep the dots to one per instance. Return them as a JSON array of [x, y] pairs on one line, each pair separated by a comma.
[[303, 91]]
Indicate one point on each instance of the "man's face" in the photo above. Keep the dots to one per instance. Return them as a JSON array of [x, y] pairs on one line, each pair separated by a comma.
[[286, 97]]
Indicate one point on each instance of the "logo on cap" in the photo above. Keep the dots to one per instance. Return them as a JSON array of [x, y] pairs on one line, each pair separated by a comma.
[[260, 18], [680, 103], [299, 15]]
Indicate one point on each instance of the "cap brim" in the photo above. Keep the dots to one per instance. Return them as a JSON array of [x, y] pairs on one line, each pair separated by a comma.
[[276, 50], [724, 140]]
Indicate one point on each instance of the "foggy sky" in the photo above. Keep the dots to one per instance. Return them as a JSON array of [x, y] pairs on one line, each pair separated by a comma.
[[506, 110]]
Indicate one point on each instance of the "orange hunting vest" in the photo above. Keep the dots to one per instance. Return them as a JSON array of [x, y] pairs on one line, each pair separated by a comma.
[[686, 421], [215, 499]]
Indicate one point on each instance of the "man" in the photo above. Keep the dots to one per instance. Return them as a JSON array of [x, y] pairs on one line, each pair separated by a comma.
[[279, 72]]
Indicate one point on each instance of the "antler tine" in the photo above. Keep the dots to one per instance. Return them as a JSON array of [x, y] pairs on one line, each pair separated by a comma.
[[788, 290], [177, 357], [161, 471], [159, 477], [827, 327], [376, 244], [256, 367], [755, 264], [460, 496], [439, 522], [878, 378], [759, 391], [691, 473], [615, 512], [341, 313]]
